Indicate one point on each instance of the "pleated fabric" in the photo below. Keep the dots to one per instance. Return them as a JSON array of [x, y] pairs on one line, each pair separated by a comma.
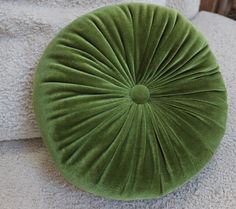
[[130, 101]]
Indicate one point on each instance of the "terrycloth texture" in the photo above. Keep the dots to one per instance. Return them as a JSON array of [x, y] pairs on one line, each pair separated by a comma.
[[130, 101], [28, 178], [26, 27], [189, 8]]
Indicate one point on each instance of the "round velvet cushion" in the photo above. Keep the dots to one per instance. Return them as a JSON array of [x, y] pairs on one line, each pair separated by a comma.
[[130, 101]]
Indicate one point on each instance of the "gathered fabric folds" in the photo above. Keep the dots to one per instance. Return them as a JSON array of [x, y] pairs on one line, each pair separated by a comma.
[[130, 101]]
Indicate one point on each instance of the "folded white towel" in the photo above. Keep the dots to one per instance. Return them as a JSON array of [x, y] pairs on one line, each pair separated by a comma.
[[186, 7]]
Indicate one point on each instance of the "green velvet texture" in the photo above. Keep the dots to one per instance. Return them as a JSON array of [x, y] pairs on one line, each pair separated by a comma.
[[130, 101]]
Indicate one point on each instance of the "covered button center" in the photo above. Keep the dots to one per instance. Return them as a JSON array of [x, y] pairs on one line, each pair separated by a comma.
[[140, 94]]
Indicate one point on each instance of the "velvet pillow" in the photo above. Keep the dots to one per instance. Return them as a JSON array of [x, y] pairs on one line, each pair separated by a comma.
[[130, 101]]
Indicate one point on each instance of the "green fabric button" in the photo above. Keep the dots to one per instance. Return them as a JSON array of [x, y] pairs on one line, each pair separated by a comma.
[[130, 101], [140, 94]]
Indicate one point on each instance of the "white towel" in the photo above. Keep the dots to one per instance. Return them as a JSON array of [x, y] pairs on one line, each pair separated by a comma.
[[189, 8]]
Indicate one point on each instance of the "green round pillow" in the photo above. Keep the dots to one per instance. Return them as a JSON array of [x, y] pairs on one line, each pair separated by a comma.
[[130, 101]]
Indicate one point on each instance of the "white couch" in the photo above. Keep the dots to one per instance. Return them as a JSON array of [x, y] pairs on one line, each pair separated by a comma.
[[28, 178]]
